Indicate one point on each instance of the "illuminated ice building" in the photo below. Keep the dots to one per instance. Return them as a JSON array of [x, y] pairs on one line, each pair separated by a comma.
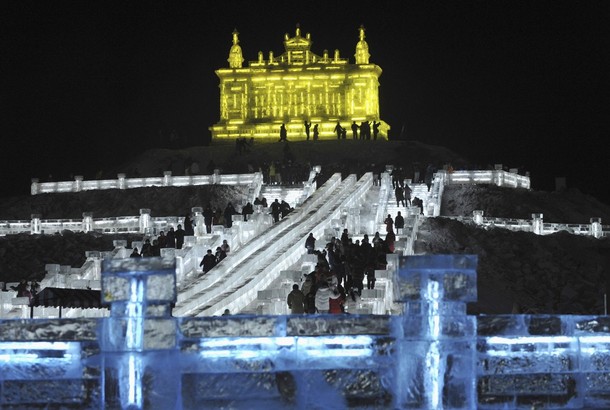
[[294, 87]]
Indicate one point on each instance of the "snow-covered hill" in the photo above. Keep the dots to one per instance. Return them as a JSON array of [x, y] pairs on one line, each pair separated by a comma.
[[559, 273]]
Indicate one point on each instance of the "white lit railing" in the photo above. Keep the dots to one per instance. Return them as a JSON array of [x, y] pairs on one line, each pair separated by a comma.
[[536, 225], [496, 177], [122, 182]]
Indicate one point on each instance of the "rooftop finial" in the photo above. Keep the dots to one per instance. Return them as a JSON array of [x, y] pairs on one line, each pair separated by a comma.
[[361, 29], [235, 55], [362, 48]]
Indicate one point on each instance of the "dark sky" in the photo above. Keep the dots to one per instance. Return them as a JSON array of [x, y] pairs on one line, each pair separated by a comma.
[[519, 83]]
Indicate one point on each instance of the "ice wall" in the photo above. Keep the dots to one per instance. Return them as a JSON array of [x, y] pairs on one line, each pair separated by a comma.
[[430, 356]]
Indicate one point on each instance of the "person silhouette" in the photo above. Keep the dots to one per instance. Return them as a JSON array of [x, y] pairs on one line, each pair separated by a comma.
[[283, 133], [376, 129], [315, 132], [307, 127], [339, 130], [355, 130], [363, 130]]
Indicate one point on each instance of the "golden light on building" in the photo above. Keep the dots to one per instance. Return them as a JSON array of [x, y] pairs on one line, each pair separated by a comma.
[[295, 87]]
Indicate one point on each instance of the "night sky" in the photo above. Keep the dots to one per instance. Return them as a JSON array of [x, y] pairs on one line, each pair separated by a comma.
[[526, 84]]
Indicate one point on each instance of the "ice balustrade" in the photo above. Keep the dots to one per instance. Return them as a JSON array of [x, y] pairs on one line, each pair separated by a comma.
[[122, 182], [431, 355], [132, 224], [310, 186], [495, 177], [144, 224], [433, 200], [189, 257], [536, 225]]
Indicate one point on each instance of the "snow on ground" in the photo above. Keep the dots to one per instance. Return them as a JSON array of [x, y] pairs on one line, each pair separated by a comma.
[[518, 272]]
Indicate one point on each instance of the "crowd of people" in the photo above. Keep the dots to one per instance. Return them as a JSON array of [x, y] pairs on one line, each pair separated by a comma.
[[210, 259], [26, 290], [173, 239], [336, 283], [363, 131]]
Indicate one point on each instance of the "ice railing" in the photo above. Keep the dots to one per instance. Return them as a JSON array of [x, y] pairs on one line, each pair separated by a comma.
[[431, 356], [432, 199], [432, 204], [536, 225], [122, 182], [144, 223], [495, 177], [136, 224]]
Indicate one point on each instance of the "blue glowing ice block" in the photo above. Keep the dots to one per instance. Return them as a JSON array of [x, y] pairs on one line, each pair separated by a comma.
[[437, 352], [543, 361], [593, 334], [527, 361], [49, 363], [139, 337], [286, 362]]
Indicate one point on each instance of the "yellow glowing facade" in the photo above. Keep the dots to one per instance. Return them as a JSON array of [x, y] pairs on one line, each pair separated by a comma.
[[295, 87]]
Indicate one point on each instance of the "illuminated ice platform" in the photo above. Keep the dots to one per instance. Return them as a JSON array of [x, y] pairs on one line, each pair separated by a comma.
[[430, 356]]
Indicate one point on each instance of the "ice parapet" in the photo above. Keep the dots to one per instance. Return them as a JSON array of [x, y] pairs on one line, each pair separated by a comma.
[[431, 356]]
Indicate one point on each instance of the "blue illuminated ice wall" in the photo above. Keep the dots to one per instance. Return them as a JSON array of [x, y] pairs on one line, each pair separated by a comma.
[[433, 356]]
